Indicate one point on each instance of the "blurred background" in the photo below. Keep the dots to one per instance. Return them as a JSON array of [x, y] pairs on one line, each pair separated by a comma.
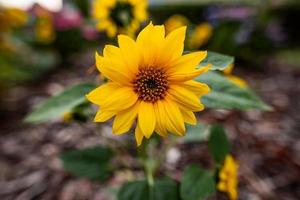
[[48, 45]]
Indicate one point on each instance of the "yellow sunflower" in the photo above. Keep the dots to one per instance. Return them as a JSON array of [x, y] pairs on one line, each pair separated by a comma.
[[119, 16], [229, 178], [150, 82]]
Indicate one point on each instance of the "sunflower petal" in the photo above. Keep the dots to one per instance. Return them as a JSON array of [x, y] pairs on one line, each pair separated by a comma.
[[174, 119], [149, 42], [138, 135], [103, 115], [188, 117], [129, 52], [173, 46], [145, 45], [197, 88], [146, 118], [187, 62], [112, 51], [120, 99], [112, 70], [124, 119], [186, 76], [99, 95], [167, 124], [185, 98], [161, 127]]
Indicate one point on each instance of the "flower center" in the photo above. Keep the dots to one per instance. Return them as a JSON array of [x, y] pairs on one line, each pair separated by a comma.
[[151, 84], [122, 14]]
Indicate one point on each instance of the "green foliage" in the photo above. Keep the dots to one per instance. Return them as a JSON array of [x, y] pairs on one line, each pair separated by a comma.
[[163, 189], [92, 163], [196, 184], [218, 61], [136, 190], [25, 65], [56, 106], [218, 143], [197, 133], [226, 95]]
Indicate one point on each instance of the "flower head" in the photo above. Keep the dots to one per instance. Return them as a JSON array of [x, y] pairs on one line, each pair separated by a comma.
[[119, 16], [150, 82], [228, 177]]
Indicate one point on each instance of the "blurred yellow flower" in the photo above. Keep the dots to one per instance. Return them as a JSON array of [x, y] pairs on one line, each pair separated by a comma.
[[174, 22], [234, 79], [16, 17], [67, 117], [228, 178], [44, 29], [150, 82], [12, 18], [200, 35], [119, 16]]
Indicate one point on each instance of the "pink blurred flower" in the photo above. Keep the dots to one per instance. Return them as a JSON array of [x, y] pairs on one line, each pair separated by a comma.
[[90, 33], [67, 18]]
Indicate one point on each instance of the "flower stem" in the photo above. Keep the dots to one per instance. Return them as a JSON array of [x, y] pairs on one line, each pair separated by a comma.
[[148, 160], [150, 175]]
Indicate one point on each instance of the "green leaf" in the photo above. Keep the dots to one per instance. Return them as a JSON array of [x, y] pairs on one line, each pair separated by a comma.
[[197, 184], [164, 189], [56, 106], [92, 163], [218, 61], [136, 190], [226, 95], [197, 133], [218, 143]]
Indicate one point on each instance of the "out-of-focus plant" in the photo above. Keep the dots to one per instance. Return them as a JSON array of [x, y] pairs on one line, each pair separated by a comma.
[[119, 16], [200, 35], [10, 19], [228, 177], [19, 60], [197, 35], [44, 27], [176, 21]]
